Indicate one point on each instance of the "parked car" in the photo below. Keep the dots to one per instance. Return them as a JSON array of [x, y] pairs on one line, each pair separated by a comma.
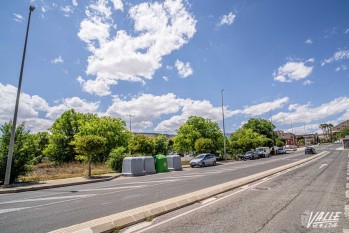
[[281, 150], [310, 150], [263, 152], [203, 160], [251, 155]]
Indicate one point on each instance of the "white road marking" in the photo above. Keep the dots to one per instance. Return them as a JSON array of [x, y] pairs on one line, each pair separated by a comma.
[[122, 187], [46, 199], [3, 211], [347, 194], [345, 230], [138, 227], [346, 211], [347, 186], [206, 201], [323, 165]]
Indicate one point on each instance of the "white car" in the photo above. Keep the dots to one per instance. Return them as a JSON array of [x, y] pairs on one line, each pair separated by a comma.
[[203, 160], [263, 152]]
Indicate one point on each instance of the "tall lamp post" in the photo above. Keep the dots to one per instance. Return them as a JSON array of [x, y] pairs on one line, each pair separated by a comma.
[[223, 126], [14, 121], [129, 115], [271, 128]]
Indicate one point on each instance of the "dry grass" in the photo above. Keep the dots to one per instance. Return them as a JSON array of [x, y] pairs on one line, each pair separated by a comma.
[[50, 171]]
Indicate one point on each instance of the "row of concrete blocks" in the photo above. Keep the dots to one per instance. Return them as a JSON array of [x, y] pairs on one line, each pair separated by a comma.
[[140, 166]]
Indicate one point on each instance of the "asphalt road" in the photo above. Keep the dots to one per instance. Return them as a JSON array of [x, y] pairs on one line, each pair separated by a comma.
[[276, 204], [45, 210]]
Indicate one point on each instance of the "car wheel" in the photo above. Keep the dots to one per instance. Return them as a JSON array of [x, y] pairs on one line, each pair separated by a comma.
[[192, 166], [203, 164], [214, 163]]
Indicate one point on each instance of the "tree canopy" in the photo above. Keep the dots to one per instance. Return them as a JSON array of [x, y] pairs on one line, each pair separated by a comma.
[[194, 129]]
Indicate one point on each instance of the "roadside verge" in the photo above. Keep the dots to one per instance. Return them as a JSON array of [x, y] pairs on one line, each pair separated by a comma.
[[126, 218]]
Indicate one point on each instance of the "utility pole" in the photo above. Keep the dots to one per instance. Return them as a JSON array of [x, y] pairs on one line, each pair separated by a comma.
[[14, 121], [225, 151], [129, 115], [271, 128]]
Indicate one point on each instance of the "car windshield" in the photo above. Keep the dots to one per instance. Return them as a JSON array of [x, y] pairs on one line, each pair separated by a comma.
[[200, 156], [259, 149], [249, 152]]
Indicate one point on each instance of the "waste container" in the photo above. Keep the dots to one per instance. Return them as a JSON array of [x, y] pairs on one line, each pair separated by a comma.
[[174, 162], [161, 163], [132, 166], [148, 165]]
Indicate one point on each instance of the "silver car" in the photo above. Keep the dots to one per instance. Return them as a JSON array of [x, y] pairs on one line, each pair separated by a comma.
[[203, 160]]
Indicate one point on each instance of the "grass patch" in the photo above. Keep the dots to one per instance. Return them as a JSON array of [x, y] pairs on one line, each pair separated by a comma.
[[185, 163], [50, 171], [149, 218]]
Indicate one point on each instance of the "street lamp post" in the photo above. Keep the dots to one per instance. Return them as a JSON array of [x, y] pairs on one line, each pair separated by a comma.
[[129, 115], [14, 121], [223, 126], [272, 130]]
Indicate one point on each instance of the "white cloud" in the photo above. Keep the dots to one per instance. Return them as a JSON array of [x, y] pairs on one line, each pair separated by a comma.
[[292, 71], [309, 41], [75, 2], [145, 107], [33, 108], [29, 108], [227, 19], [18, 18], [339, 55], [57, 60], [306, 113], [346, 31], [307, 82], [165, 78], [259, 109], [159, 29], [184, 69], [80, 105], [67, 10], [341, 67], [118, 5]]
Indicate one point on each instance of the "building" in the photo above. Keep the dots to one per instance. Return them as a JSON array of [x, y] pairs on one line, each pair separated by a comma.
[[154, 135], [290, 138], [312, 138], [341, 126]]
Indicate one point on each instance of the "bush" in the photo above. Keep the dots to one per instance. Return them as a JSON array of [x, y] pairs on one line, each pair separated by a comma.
[[21, 158], [116, 157]]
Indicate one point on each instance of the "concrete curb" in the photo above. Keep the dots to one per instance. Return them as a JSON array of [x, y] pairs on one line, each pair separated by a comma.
[[126, 218], [24, 189]]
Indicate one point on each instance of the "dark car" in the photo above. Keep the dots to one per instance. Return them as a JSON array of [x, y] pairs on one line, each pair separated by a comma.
[[251, 155], [281, 150], [310, 150]]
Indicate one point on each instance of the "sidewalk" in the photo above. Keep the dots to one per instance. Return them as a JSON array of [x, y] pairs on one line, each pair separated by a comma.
[[31, 186]]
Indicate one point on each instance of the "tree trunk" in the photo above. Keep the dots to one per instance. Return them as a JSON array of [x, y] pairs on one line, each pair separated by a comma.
[[89, 168]]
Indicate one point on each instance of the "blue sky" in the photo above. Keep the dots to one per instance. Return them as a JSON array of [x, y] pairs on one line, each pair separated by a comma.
[[164, 61]]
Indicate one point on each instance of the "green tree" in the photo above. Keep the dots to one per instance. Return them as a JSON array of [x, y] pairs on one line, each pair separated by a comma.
[[160, 145], [36, 144], [87, 147], [63, 131], [112, 129], [260, 126], [195, 128], [141, 145], [21, 157], [116, 158], [204, 145], [246, 139]]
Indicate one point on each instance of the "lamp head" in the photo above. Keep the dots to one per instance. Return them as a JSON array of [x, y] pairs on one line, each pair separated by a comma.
[[31, 8]]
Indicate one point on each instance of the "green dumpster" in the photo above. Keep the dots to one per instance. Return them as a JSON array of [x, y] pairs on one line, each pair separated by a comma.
[[161, 163]]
